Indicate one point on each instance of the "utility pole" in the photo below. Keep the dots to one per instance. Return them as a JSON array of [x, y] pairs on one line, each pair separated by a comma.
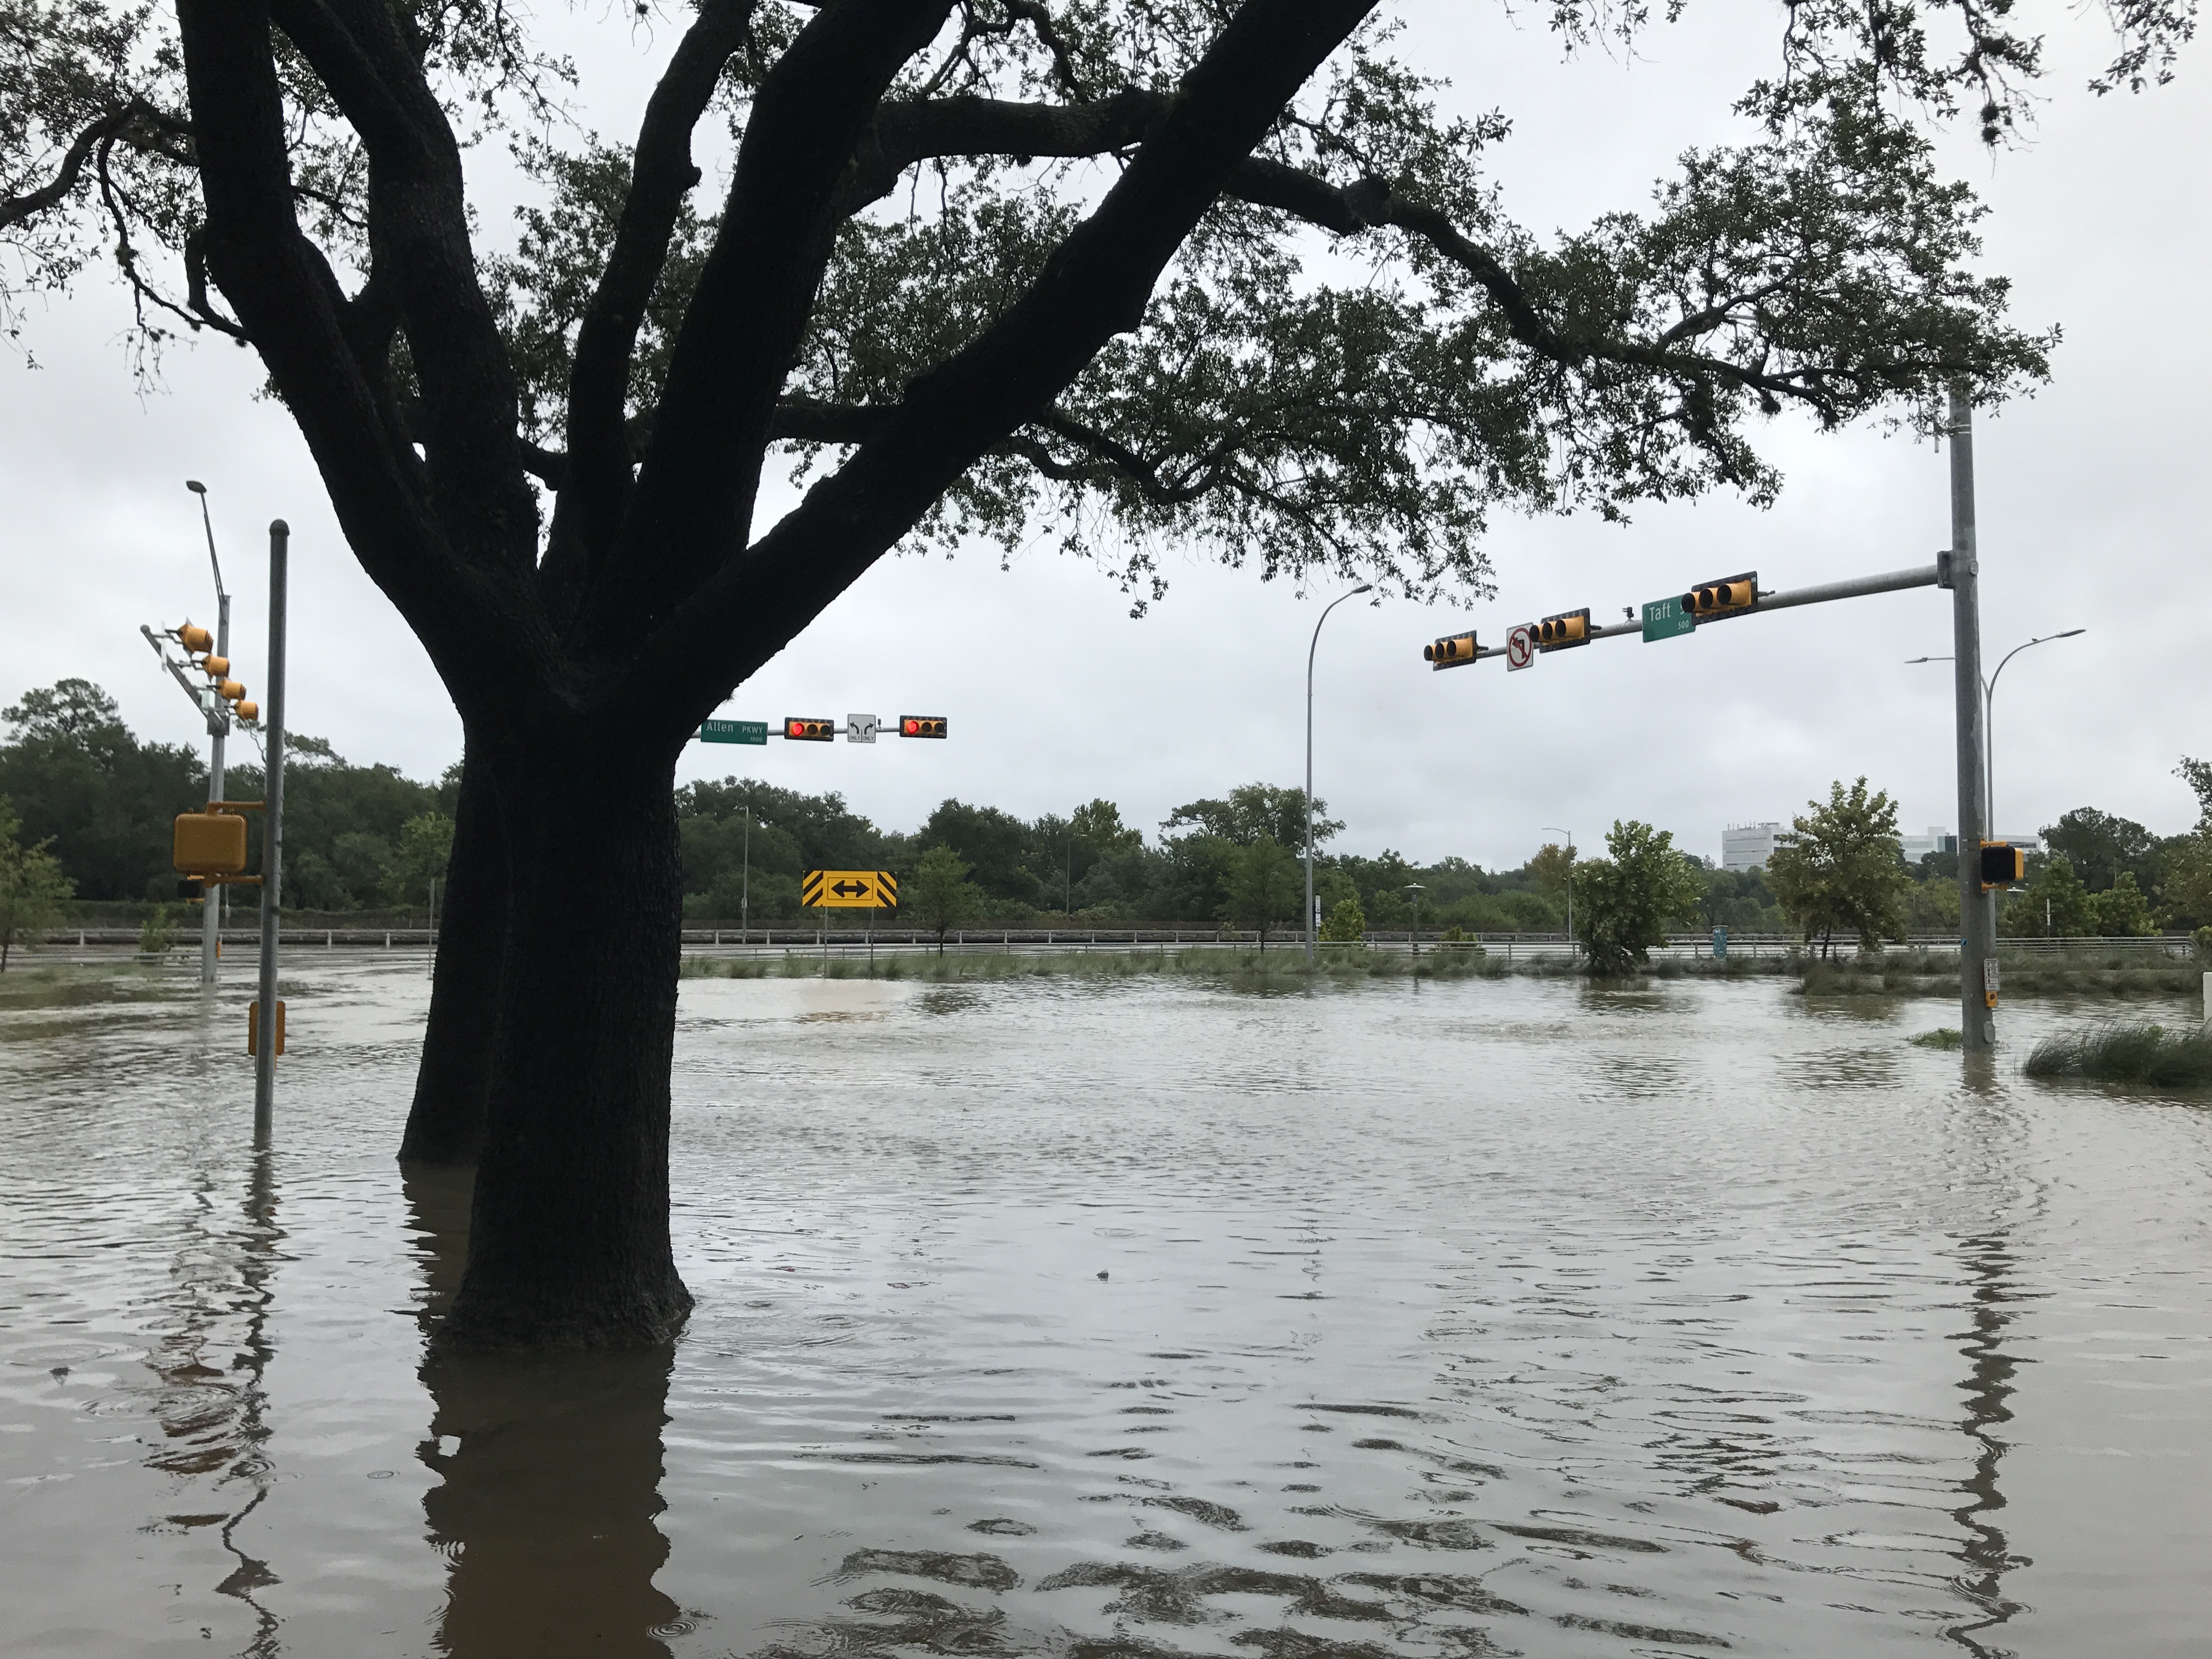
[[218, 726], [272, 844], [1978, 963]]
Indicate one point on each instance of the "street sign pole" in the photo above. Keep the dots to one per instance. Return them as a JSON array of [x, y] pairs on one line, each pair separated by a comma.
[[272, 844], [1977, 909]]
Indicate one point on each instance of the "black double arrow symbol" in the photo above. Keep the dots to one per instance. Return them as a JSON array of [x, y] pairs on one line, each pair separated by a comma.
[[852, 889]]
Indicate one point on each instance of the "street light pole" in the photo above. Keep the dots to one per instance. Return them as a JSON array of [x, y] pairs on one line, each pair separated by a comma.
[[1570, 834], [1990, 711], [272, 842], [1364, 587], [1977, 909], [218, 726]]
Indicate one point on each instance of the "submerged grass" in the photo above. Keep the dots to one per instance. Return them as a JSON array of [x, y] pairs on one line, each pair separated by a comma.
[[1284, 968], [77, 984], [1943, 1036], [1901, 973], [2128, 1052]]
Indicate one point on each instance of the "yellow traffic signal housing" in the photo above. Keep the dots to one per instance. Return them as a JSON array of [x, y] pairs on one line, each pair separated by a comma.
[[218, 666], [1452, 651], [799, 729], [1558, 632], [1727, 595], [921, 725], [2003, 864], [208, 844], [248, 709], [230, 690], [194, 638]]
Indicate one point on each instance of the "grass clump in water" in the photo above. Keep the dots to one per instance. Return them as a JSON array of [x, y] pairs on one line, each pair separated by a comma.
[[2131, 1051], [1943, 1036]]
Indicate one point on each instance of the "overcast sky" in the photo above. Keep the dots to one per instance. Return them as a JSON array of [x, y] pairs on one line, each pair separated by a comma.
[[2091, 505]]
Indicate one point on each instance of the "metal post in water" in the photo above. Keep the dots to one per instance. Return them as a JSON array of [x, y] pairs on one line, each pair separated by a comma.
[[1977, 909], [272, 842]]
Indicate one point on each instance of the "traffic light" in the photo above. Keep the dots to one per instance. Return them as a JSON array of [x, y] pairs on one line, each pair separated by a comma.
[[217, 666], [1451, 650], [921, 725], [230, 690], [1558, 632], [207, 843], [249, 710], [801, 729], [2003, 864], [194, 638], [1729, 596]]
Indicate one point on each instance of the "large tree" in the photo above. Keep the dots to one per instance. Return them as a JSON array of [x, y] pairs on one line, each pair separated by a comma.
[[1211, 271]]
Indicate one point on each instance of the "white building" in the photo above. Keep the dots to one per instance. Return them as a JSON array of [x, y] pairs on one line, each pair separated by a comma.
[[1748, 845], [1937, 840]]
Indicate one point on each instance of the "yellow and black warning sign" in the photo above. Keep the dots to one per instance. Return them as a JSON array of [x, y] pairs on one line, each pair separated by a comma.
[[849, 890]]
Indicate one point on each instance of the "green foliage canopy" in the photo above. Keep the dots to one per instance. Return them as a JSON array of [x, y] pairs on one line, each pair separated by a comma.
[[1626, 901], [1841, 869]]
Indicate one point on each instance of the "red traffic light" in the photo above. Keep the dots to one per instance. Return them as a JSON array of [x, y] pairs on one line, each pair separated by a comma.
[[800, 729], [921, 725]]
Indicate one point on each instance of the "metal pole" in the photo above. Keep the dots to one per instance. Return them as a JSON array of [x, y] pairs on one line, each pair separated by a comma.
[[272, 839], [430, 954], [1364, 587], [746, 893], [1557, 831], [1977, 909], [218, 728]]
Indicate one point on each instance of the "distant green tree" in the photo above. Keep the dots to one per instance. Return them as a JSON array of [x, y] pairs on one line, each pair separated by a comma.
[[2121, 911], [157, 935], [2053, 905], [939, 895], [1254, 809], [1345, 924], [1841, 869], [1266, 887], [2186, 890], [1550, 869], [1624, 902], [996, 847], [425, 846], [1932, 906], [32, 886], [2101, 846]]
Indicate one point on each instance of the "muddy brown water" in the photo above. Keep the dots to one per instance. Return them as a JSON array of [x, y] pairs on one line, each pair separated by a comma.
[[1140, 1319]]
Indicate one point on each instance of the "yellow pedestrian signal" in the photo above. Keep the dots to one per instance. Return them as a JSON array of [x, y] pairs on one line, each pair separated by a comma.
[[1451, 650], [194, 638], [208, 844], [800, 730], [1729, 596], [2003, 864], [921, 725], [1558, 632]]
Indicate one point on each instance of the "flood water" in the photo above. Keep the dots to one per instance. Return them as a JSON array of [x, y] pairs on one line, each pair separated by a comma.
[[1130, 1319]]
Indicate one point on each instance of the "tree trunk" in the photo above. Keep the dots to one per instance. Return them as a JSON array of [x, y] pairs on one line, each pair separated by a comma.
[[446, 1125], [568, 1230]]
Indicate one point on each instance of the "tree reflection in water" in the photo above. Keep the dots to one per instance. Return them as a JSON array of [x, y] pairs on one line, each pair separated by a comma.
[[550, 1474]]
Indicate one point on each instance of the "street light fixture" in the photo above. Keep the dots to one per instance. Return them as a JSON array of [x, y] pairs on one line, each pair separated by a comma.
[[1988, 717], [1364, 587], [1555, 829]]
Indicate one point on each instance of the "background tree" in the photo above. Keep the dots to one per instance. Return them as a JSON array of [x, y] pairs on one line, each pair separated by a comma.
[[1550, 869], [2054, 904], [2121, 911], [1841, 868], [32, 886], [939, 895], [1343, 924], [1151, 358], [2101, 846], [1624, 902], [1266, 887], [425, 847]]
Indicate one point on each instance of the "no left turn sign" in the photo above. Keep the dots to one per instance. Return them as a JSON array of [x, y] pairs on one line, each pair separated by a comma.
[[1519, 647]]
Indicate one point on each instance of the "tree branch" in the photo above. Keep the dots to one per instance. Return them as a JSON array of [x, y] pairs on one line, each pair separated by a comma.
[[590, 510], [1095, 285], [696, 489]]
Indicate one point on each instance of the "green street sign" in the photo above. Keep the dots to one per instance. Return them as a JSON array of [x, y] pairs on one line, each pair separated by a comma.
[[735, 731], [1665, 619]]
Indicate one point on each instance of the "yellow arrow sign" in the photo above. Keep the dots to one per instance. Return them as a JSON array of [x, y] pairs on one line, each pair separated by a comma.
[[849, 890]]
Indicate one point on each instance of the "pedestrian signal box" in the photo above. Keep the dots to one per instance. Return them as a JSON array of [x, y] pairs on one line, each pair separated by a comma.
[[1451, 650], [208, 844], [801, 729], [2003, 864], [1558, 632], [1729, 596], [921, 725]]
